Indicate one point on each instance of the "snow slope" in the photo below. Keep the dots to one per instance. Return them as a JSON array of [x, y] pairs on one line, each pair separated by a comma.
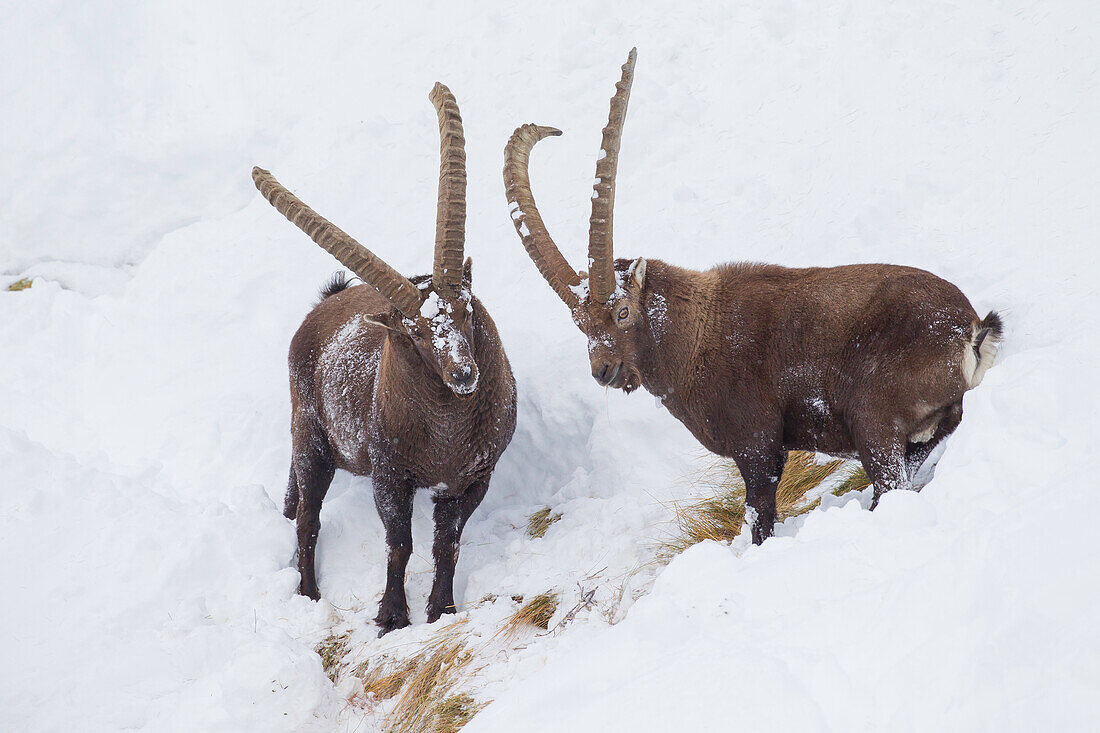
[[143, 403]]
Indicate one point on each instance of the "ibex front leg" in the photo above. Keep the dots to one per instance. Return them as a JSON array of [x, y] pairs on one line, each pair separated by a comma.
[[882, 452], [761, 467], [393, 497], [450, 520]]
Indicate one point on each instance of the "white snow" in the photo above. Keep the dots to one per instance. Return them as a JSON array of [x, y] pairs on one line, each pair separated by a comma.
[[580, 289], [430, 308], [657, 310], [144, 411]]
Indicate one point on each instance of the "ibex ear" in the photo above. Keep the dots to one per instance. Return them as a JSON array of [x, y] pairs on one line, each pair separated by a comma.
[[388, 319], [637, 272], [468, 272]]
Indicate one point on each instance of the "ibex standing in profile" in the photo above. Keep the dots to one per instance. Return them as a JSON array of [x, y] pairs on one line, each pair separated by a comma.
[[402, 380], [870, 361]]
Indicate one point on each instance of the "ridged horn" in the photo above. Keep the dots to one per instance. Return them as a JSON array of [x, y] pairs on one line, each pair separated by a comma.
[[394, 286], [601, 260], [450, 217], [525, 215]]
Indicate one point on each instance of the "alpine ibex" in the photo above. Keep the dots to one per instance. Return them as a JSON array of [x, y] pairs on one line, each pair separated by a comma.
[[867, 361], [405, 380]]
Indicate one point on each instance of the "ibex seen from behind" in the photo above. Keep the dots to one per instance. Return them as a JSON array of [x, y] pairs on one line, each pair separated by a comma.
[[404, 380], [868, 361]]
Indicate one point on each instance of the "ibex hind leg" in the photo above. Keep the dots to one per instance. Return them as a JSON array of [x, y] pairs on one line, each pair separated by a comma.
[[290, 503], [921, 458], [760, 469], [313, 468]]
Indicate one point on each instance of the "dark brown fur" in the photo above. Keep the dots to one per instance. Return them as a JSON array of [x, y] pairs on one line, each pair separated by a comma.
[[369, 401], [757, 360]]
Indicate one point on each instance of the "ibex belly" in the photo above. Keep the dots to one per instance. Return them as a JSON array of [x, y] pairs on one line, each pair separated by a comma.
[[816, 428]]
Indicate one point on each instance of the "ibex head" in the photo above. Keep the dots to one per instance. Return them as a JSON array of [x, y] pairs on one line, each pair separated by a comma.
[[433, 316], [607, 301]]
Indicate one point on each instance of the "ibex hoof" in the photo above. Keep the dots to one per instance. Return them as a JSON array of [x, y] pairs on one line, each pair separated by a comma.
[[388, 621], [435, 611]]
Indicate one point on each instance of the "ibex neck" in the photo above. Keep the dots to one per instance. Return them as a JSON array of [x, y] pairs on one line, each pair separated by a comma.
[[680, 311]]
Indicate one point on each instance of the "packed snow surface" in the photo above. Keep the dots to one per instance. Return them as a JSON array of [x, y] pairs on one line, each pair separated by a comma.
[[144, 412]]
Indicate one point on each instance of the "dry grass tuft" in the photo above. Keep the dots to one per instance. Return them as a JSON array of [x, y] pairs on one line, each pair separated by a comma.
[[422, 684], [857, 481], [332, 652], [437, 671], [537, 613], [21, 284], [717, 518], [540, 521], [384, 681], [720, 516], [454, 712], [801, 474]]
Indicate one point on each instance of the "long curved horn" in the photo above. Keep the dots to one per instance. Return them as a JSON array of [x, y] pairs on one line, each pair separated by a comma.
[[450, 217], [525, 215], [352, 255], [601, 261]]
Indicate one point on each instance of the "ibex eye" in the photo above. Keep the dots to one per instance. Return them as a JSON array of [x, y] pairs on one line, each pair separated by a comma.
[[622, 313]]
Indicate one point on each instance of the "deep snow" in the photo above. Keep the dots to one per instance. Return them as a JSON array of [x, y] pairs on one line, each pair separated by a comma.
[[144, 416]]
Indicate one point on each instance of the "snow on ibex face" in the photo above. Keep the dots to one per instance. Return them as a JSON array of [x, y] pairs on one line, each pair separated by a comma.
[[449, 347]]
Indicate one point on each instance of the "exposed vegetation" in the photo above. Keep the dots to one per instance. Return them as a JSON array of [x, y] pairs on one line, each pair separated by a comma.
[[438, 670], [332, 652], [454, 712], [384, 680], [857, 481], [21, 284], [801, 474], [536, 613], [721, 515], [421, 685], [540, 521]]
